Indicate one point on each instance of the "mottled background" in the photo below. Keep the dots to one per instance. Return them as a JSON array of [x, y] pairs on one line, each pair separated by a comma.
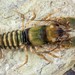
[[10, 20]]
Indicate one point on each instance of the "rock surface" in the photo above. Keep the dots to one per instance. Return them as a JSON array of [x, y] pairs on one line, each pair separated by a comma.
[[10, 20]]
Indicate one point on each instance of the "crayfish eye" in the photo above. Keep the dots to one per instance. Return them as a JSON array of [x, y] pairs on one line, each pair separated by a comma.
[[60, 32]]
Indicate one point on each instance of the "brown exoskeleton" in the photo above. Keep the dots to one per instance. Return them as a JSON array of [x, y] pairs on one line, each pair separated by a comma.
[[56, 33]]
